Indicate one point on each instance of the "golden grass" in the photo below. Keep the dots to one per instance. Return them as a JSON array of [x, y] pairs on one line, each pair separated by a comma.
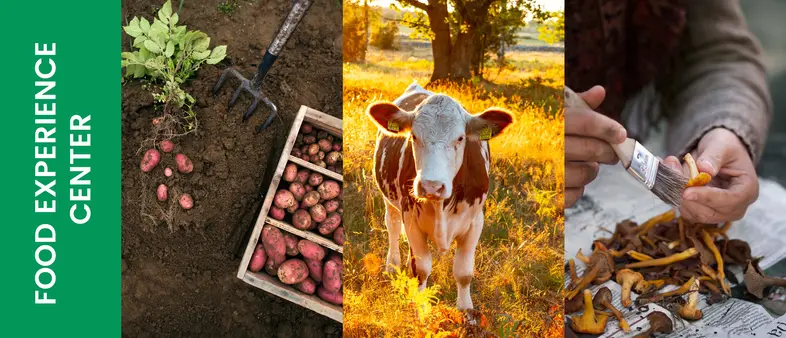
[[518, 266]]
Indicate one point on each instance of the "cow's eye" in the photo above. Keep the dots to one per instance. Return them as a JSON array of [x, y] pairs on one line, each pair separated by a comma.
[[413, 137], [461, 138]]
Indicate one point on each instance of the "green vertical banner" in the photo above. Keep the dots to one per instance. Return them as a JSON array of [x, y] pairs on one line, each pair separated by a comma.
[[60, 102]]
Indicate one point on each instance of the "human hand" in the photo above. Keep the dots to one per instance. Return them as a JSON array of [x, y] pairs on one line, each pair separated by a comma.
[[734, 185], [588, 135]]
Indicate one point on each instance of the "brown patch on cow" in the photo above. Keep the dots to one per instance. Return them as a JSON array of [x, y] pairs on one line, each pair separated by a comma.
[[411, 102], [472, 180], [463, 281], [393, 186], [412, 264]]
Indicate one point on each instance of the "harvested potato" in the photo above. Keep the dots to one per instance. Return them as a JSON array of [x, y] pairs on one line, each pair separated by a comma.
[[320, 164], [313, 149], [337, 146], [310, 199], [275, 247], [186, 202], [321, 134], [311, 250], [168, 172], [290, 173], [284, 199], [325, 145], [297, 190], [309, 189], [314, 269], [306, 128], [184, 164], [331, 276], [302, 176], [307, 286], [257, 259], [309, 139], [329, 190], [331, 206], [334, 297], [161, 192], [292, 271], [315, 179], [338, 236], [270, 267], [291, 243], [333, 157], [301, 219], [277, 212], [318, 213], [330, 224], [167, 146], [150, 160]]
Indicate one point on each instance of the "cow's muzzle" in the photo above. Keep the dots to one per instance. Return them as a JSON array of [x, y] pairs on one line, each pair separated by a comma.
[[432, 190]]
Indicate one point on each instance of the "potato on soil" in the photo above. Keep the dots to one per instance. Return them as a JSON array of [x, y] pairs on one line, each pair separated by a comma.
[[150, 160], [161, 192], [292, 271], [290, 172], [257, 259], [302, 176], [314, 269], [276, 212], [333, 157], [331, 206], [186, 202], [307, 286], [310, 199], [284, 199], [318, 213], [301, 219], [297, 190], [313, 149], [331, 276], [184, 164], [291, 243], [338, 236], [315, 179], [334, 297], [306, 128], [168, 172], [275, 246], [325, 145], [329, 190], [311, 250], [167, 146], [330, 224]]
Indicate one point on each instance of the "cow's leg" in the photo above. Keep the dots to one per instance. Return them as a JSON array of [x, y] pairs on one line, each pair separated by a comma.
[[393, 223], [464, 262], [419, 248]]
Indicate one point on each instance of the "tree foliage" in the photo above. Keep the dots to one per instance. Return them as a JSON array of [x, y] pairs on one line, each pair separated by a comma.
[[553, 29]]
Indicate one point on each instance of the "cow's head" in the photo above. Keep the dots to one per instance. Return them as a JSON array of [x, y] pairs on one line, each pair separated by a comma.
[[438, 130]]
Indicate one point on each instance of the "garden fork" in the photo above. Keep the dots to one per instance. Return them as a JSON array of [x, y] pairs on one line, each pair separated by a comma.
[[254, 86]]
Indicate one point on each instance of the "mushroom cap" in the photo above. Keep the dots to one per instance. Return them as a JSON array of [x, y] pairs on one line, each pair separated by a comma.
[[660, 322], [629, 276], [602, 296], [754, 281]]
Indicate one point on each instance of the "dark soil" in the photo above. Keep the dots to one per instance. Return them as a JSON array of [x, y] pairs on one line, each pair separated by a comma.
[[181, 281]]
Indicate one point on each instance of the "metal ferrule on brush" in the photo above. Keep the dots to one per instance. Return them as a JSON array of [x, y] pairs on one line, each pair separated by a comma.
[[643, 165]]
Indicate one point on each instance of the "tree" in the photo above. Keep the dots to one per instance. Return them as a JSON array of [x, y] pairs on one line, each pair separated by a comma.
[[355, 32], [553, 30]]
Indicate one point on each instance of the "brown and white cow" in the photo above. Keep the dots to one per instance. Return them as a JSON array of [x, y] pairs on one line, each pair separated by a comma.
[[431, 163]]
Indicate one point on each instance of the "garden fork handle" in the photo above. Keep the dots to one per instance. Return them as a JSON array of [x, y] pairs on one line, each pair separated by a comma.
[[296, 14]]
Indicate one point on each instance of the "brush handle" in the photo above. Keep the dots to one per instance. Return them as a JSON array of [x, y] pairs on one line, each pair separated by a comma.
[[623, 150]]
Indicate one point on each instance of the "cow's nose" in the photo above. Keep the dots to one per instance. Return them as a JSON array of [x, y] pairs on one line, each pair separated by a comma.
[[432, 188]]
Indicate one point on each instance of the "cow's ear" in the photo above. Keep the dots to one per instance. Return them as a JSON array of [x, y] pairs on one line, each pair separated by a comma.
[[489, 123], [390, 117]]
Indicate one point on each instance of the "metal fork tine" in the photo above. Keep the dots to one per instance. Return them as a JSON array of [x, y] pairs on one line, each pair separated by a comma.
[[221, 80], [251, 109], [235, 96], [273, 113]]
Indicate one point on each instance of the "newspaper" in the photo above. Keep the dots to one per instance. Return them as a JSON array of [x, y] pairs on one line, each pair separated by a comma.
[[615, 196]]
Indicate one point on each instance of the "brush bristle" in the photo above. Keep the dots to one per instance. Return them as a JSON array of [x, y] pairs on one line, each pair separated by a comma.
[[669, 185]]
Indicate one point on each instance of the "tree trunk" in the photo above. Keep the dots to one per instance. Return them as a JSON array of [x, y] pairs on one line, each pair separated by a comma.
[[365, 31], [461, 57], [440, 46]]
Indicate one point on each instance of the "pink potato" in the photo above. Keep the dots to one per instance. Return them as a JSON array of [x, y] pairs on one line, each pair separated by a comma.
[[314, 269], [320, 164], [167, 146], [330, 224], [184, 164], [301, 219], [306, 128], [336, 257], [161, 192], [297, 190], [307, 286], [275, 246], [277, 212], [333, 157], [310, 199], [186, 202], [302, 176], [313, 149], [290, 172], [168, 172], [322, 134], [292, 208], [309, 139], [331, 276], [337, 146], [331, 206], [325, 145], [309, 188], [305, 157], [291, 242], [329, 190], [334, 297], [315, 179], [157, 121], [296, 152], [271, 268], [293, 271], [257, 259], [311, 250], [318, 213], [338, 236], [284, 199], [150, 160]]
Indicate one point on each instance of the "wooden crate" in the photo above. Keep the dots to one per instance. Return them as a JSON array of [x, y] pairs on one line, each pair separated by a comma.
[[260, 279]]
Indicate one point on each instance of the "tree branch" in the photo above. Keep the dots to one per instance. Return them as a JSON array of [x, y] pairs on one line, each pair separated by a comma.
[[414, 3]]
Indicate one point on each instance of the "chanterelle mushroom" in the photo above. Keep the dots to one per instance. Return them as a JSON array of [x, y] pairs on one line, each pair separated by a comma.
[[756, 281], [599, 270], [602, 301], [689, 310], [627, 278], [589, 322], [659, 322]]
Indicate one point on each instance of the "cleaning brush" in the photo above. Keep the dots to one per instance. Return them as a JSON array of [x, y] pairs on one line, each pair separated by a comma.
[[666, 183]]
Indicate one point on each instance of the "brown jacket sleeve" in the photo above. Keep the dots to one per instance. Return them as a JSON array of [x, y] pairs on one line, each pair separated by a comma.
[[719, 80]]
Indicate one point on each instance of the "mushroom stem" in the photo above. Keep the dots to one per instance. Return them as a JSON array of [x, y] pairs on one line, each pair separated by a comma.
[[689, 310], [665, 217], [620, 253], [639, 256], [583, 282], [572, 269], [674, 244], [721, 276], [646, 285], [580, 256], [665, 260], [623, 323], [708, 271], [589, 321], [680, 291]]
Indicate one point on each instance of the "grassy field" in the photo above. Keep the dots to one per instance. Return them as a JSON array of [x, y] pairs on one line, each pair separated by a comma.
[[518, 266]]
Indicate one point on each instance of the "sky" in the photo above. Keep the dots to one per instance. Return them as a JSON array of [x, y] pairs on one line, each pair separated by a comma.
[[549, 5]]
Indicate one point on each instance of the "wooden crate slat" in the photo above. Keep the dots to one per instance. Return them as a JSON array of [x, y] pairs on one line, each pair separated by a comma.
[[313, 167], [306, 234], [274, 286], [324, 121]]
